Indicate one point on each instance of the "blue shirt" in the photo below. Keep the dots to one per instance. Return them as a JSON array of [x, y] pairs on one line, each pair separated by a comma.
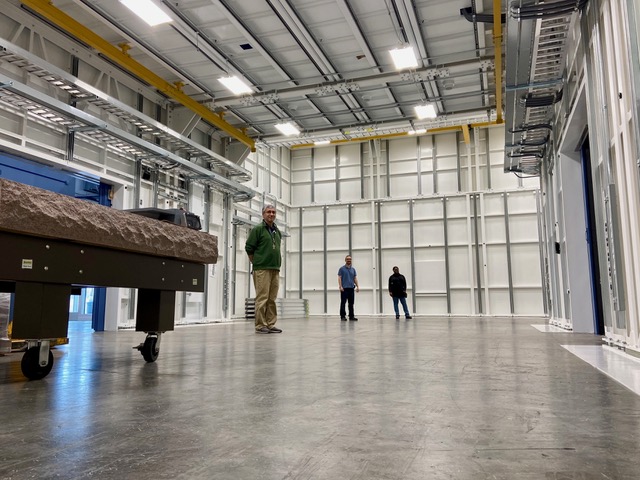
[[347, 276]]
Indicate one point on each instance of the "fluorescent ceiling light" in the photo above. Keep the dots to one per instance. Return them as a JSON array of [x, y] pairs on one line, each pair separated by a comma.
[[425, 111], [148, 11], [404, 58], [322, 142], [287, 128], [235, 84], [420, 131]]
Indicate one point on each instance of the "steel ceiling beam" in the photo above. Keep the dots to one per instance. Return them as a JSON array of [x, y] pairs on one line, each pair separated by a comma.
[[255, 43], [64, 21], [378, 80], [301, 34], [357, 32]]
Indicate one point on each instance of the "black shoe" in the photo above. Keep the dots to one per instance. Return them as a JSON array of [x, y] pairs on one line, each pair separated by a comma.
[[263, 330], [408, 317], [397, 317], [275, 330], [344, 319], [353, 319]]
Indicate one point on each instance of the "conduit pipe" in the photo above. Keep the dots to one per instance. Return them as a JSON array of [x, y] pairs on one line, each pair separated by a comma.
[[46, 9]]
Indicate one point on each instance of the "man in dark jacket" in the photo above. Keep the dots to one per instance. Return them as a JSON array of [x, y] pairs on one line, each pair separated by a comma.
[[263, 248], [398, 291]]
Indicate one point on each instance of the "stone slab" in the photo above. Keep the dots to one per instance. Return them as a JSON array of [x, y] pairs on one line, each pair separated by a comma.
[[33, 211]]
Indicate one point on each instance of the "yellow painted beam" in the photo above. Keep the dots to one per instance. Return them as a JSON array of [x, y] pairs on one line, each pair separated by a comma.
[[79, 31], [465, 133], [497, 46]]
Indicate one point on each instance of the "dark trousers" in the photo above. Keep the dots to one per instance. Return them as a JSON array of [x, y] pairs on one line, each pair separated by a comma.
[[347, 295]]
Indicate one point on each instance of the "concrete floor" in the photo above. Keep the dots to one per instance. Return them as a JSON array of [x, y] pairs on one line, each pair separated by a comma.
[[468, 398]]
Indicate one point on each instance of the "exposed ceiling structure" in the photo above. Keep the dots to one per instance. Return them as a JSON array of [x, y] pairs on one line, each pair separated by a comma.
[[323, 65], [537, 34]]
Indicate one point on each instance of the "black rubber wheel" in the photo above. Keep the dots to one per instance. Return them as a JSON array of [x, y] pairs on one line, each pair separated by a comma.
[[31, 367], [149, 350]]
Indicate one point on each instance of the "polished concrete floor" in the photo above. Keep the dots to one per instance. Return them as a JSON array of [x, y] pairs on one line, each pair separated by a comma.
[[463, 399]]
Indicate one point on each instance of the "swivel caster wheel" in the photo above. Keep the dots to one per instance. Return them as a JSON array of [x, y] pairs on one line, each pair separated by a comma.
[[31, 366], [150, 349]]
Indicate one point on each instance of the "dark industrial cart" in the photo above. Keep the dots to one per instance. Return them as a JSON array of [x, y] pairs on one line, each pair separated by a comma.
[[42, 273]]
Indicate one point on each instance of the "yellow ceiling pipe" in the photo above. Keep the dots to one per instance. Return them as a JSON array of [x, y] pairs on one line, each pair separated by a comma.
[[64, 21], [497, 47]]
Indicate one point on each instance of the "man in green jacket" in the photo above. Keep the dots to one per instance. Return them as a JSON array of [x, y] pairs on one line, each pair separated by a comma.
[[263, 248]]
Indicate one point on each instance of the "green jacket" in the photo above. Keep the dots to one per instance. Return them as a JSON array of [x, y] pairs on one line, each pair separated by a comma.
[[265, 247]]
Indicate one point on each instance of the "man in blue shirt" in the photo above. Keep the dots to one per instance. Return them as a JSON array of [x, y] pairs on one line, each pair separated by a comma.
[[348, 283]]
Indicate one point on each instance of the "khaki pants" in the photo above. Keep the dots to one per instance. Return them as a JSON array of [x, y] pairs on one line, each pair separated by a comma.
[[266, 283]]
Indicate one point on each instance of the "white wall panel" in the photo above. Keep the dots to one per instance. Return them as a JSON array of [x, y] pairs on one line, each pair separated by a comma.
[[524, 257], [527, 301], [325, 192], [300, 176], [499, 302], [532, 182], [394, 211], [312, 268], [495, 230], [301, 160], [301, 194], [337, 238], [350, 190], [430, 305], [324, 158], [446, 145], [461, 303], [523, 228], [293, 275], [400, 257], [447, 182], [349, 154], [497, 266], [394, 229], [350, 172], [403, 149], [338, 215], [313, 239], [315, 298]]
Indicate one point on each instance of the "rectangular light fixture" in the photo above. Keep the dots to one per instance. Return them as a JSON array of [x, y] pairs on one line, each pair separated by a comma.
[[287, 128], [404, 58], [147, 11], [322, 142], [425, 111], [235, 84]]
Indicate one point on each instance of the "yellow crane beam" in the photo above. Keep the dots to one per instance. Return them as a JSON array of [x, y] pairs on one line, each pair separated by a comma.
[[46, 9]]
